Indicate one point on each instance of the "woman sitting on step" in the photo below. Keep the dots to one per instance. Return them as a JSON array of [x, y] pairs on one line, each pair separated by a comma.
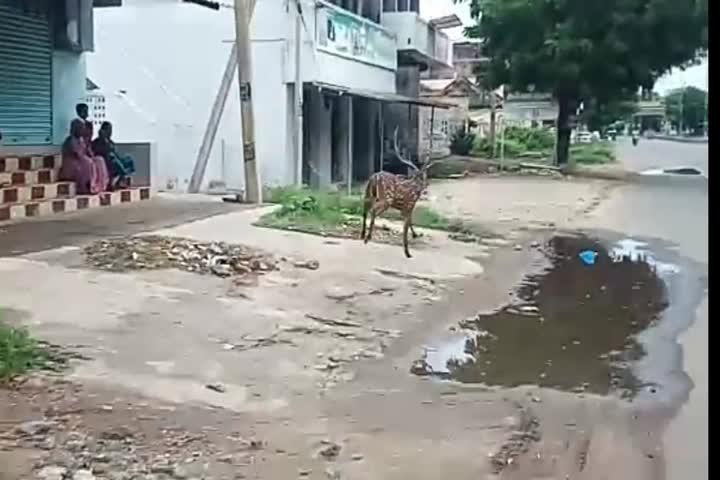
[[79, 165], [120, 167]]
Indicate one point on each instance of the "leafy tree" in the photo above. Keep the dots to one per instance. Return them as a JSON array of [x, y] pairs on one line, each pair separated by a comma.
[[599, 116], [686, 108], [586, 51]]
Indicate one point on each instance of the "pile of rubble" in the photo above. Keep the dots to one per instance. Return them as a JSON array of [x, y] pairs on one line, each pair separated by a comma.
[[154, 252], [78, 439]]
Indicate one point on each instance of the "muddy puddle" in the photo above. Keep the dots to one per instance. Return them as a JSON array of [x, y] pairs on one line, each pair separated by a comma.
[[575, 326]]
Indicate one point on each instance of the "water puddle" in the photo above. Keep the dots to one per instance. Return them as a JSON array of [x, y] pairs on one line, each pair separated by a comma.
[[574, 326]]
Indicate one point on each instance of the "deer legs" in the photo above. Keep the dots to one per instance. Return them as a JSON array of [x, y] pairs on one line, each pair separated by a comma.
[[377, 209], [407, 226], [412, 230]]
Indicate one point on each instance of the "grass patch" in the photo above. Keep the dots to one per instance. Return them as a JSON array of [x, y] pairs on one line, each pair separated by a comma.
[[339, 214], [19, 352], [593, 153]]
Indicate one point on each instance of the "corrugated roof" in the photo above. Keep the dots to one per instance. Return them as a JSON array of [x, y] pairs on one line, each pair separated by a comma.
[[387, 96]]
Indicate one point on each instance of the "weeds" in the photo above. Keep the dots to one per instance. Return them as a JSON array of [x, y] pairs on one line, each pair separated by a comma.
[[334, 213], [593, 153], [19, 352]]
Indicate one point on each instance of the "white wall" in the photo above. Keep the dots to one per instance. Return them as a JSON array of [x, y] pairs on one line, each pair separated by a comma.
[[68, 89], [160, 63], [161, 84], [319, 66]]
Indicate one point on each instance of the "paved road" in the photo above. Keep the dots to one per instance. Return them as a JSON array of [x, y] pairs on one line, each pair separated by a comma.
[[660, 154], [674, 211], [78, 228]]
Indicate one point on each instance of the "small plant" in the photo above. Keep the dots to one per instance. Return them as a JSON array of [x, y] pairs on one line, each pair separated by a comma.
[[593, 154], [19, 352], [461, 142]]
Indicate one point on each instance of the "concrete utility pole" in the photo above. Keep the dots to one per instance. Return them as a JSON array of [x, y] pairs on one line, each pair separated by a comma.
[[243, 15], [244, 10]]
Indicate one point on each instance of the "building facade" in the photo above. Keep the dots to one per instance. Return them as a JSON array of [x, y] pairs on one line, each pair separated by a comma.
[[349, 58], [42, 71]]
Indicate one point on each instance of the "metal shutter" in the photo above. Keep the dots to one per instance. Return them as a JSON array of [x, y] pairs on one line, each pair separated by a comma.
[[25, 77]]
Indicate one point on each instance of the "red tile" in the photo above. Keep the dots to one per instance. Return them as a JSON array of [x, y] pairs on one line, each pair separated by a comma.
[[4, 213], [125, 196], [2, 165], [10, 195], [37, 192], [49, 161], [58, 206], [105, 199], [32, 209], [44, 176], [144, 193], [63, 189], [18, 178], [83, 203], [25, 163]]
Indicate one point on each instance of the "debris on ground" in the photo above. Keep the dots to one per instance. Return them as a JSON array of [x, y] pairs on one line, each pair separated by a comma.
[[332, 322], [308, 264], [329, 450], [588, 256], [152, 252], [76, 440], [527, 433], [216, 387]]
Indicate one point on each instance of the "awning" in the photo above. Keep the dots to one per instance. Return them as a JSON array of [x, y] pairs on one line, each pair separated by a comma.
[[385, 96]]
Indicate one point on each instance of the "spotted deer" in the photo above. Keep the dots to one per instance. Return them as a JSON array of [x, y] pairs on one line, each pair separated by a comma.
[[386, 190]]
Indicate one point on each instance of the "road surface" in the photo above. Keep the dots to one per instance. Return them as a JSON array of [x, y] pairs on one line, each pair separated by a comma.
[[674, 211], [661, 154]]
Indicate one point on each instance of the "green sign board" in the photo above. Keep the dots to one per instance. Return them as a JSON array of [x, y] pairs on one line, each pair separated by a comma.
[[347, 35]]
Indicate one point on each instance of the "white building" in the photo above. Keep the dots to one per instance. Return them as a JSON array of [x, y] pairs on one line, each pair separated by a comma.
[[160, 63]]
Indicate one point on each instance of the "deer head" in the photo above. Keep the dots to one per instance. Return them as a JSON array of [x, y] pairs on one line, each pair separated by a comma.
[[416, 172]]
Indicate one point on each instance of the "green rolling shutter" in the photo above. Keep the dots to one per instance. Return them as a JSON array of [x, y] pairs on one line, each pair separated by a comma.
[[25, 77]]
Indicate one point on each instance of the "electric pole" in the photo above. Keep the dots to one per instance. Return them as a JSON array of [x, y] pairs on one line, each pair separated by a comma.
[[244, 10], [243, 14]]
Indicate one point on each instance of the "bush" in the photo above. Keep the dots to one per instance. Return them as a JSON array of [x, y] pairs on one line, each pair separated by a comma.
[[531, 139], [519, 142], [18, 352], [461, 142], [593, 153]]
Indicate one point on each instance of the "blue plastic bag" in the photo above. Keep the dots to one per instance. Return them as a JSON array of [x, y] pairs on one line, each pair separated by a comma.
[[588, 257]]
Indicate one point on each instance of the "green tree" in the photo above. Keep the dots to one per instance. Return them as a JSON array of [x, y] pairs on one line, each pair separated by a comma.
[[586, 51], [686, 108], [599, 116]]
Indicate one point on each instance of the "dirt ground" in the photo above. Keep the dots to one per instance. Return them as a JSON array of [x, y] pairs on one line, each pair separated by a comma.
[[305, 372]]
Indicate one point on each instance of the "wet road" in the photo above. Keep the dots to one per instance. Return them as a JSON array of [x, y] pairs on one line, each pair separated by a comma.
[[661, 154], [674, 211]]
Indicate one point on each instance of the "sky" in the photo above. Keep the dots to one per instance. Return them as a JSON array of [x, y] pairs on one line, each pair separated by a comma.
[[696, 76]]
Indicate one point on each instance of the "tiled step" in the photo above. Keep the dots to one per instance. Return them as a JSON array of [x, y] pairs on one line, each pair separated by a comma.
[[71, 204], [30, 177], [16, 164], [28, 193]]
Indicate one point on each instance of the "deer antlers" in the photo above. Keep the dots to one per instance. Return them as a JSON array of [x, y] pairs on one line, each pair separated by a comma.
[[404, 160]]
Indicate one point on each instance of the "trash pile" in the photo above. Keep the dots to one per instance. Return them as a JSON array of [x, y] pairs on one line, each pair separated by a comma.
[[154, 252]]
